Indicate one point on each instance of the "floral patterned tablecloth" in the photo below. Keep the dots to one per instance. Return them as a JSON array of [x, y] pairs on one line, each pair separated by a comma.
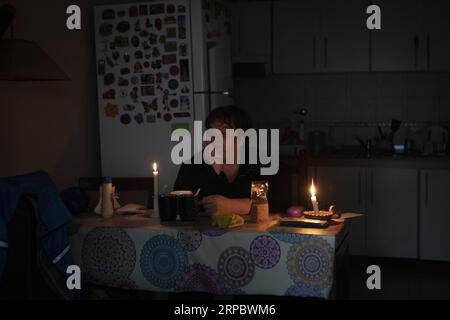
[[137, 252]]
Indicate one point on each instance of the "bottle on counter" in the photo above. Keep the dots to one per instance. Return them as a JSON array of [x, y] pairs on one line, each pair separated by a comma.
[[107, 197], [259, 211]]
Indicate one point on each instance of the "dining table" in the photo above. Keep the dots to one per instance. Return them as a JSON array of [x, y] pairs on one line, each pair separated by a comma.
[[137, 252]]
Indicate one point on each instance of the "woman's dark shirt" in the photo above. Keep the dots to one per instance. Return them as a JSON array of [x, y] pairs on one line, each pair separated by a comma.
[[194, 176]]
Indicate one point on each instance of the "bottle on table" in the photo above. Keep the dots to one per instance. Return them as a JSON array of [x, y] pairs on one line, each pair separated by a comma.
[[107, 197], [259, 211]]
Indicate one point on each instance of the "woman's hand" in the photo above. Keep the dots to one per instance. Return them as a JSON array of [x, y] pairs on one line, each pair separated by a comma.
[[217, 203]]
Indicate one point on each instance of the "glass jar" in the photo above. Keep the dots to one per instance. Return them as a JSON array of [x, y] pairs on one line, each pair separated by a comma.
[[259, 211]]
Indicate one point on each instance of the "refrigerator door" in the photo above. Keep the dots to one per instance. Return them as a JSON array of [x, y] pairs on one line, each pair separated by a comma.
[[144, 83], [220, 75]]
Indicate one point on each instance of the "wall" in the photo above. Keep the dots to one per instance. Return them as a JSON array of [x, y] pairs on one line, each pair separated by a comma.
[[347, 102], [52, 126]]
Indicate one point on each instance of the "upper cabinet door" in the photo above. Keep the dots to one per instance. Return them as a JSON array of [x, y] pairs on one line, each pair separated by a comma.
[[345, 37], [251, 30], [436, 35], [296, 36], [396, 47]]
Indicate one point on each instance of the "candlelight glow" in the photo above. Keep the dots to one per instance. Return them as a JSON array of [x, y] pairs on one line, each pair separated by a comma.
[[312, 189], [155, 167]]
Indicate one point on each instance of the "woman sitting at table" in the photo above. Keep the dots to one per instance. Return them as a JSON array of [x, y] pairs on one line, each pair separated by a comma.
[[224, 187]]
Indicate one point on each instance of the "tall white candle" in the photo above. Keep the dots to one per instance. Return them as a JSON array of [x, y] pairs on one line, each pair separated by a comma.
[[314, 198], [155, 190]]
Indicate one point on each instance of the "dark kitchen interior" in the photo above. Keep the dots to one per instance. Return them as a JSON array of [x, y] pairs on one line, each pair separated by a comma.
[[364, 114]]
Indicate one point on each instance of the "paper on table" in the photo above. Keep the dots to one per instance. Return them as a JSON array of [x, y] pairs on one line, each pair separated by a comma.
[[132, 208]]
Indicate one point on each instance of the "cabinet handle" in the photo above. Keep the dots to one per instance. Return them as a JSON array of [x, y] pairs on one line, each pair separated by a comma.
[[325, 52], [416, 51], [428, 51], [359, 187], [426, 190], [314, 53], [371, 188]]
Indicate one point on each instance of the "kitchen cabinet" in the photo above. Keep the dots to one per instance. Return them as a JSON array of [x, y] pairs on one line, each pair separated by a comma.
[[345, 188], [296, 29], [392, 212], [251, 31], [396, 46], [435, 215], [345, 41], [436, 35]]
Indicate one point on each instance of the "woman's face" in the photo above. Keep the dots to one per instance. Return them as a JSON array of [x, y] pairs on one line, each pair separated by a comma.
[[222, 126]]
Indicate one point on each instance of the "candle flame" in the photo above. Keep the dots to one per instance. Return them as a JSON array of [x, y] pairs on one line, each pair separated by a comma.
[[155, 166], [312, 189]]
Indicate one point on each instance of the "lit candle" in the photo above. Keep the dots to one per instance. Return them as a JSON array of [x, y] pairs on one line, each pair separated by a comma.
[[314, 198], [155, 190]]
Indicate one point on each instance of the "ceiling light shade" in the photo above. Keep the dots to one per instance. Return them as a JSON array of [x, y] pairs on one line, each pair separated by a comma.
[[22, 60]]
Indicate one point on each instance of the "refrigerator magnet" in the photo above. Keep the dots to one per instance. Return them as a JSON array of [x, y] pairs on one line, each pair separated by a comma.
[[144, 34], [126, 57], [183, 49], [137, 26], [185, 89], [105, 29], [123, 26], [101, 67], [134, 94], [162, 39], [170, 20], [121, 42], [143, 10], [135, 41], [184, 70], [169, 58], [171, 32], [137, 67], [184, 103], [146, 63], [151, 118], [139, 118], [128, 107], [121, 13], [125, 119], [145, 45], [150, 106], [115, 55], [109, 95], [173, 103], [157, 8], [108, 79], [124, 71], [167, 117], [109, 62], [170, 46], [156, 64], [138, 55], [147, 79], [170, 8], [173, 84], [111, 110], [174, 70], [158, 24], [158, 77], [108, 14], [155, 52], [181, 114], [133, 11], [153, 38], [122, 82], [182, 27], [134, 80], [181, 8], [147, 91], [123, 93], [148, 24], [158, 115]]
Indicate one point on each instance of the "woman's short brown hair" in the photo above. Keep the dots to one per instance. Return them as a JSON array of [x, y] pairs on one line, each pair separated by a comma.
[[233, 116]]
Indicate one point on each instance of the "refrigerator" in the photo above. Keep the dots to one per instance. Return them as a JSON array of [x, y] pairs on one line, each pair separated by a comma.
[[160, 66]]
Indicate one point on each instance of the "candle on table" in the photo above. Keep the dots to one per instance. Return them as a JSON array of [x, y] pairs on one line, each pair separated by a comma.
[[314, 198], [155, 190]]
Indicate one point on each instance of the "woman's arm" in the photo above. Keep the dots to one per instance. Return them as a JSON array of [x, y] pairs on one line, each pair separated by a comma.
[[217, 203]]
